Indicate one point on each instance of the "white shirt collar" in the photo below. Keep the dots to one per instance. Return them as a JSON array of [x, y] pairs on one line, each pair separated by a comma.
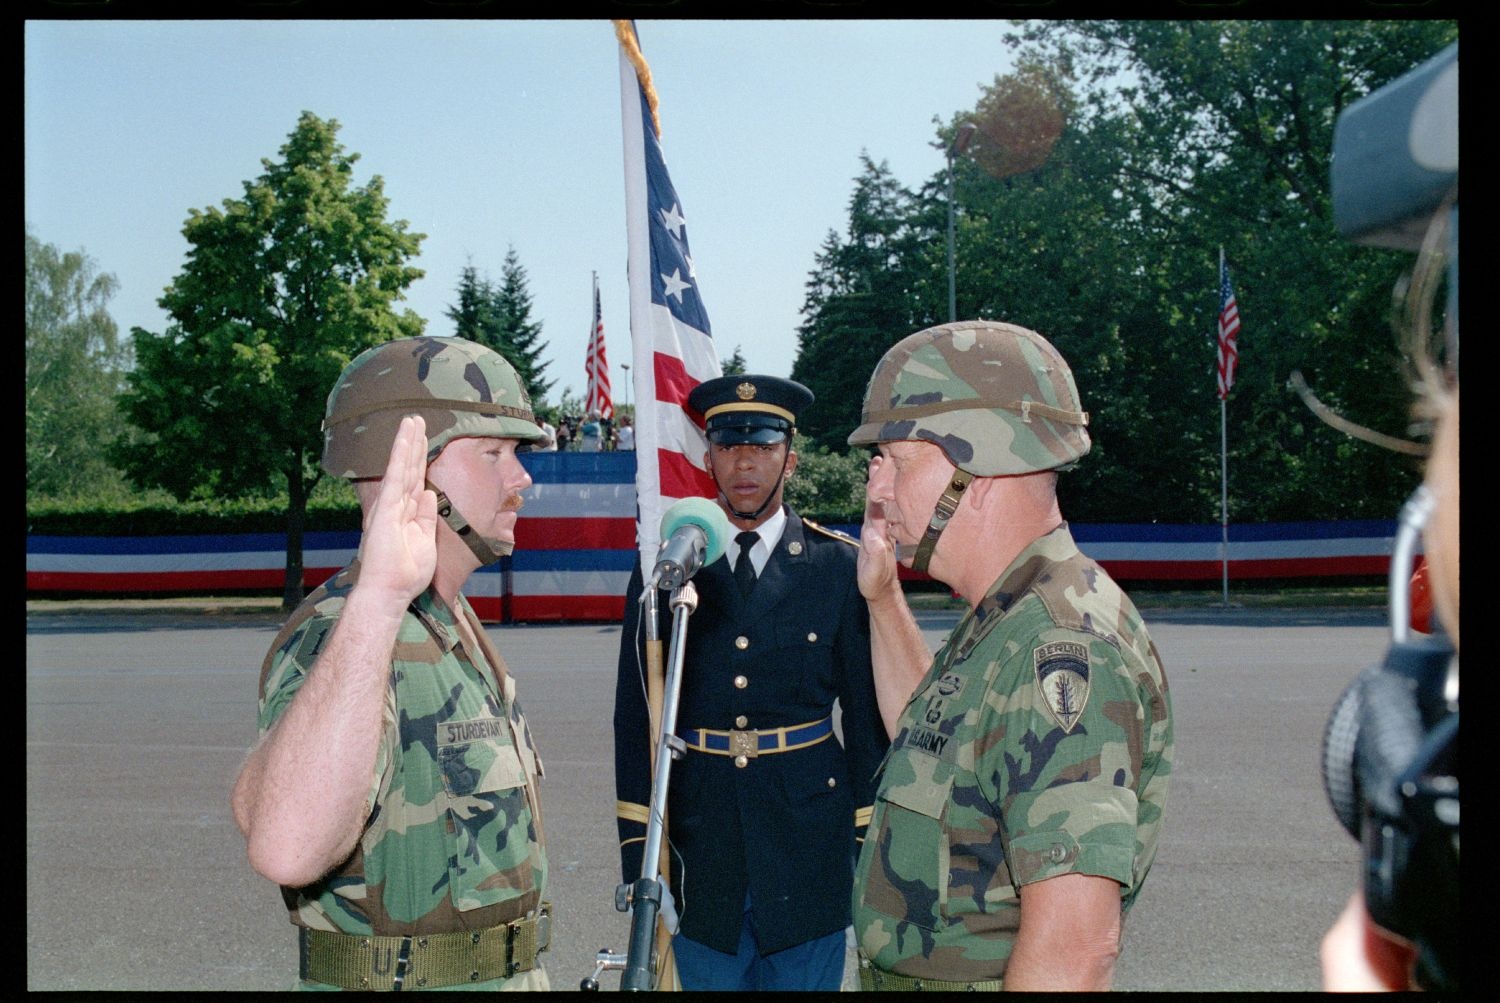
[[770, 535]]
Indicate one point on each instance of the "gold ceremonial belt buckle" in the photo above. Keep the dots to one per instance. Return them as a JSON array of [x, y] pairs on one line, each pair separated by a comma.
[[744, 743]]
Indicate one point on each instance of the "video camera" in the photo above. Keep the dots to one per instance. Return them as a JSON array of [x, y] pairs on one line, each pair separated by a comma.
[[1390, 750]]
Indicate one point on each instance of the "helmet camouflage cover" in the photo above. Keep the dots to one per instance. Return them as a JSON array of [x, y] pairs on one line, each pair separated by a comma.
[[997, 398], [459, 387]]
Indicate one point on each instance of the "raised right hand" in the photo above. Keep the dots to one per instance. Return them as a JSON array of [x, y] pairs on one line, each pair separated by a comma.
[[877, 560], [398, 551]]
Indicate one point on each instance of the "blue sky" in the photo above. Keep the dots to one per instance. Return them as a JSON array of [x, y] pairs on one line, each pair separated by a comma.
[[492, 134]]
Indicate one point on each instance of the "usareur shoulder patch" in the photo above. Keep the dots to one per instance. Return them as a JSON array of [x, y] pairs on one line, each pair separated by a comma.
[[1062, 675]]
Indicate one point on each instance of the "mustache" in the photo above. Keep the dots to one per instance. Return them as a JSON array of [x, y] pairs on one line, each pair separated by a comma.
[[513, 504]]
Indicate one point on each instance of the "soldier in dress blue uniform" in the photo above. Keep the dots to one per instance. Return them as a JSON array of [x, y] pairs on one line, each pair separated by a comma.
[[766, 811]]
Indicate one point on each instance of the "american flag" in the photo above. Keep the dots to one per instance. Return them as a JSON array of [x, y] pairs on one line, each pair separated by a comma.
[[672, 348], [597, 400], [1229, 331]]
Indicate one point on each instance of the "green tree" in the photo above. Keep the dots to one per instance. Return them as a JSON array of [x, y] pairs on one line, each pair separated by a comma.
[[282, 287], [828, 486], [1059, 250], [520, 337], [862, 297], [1224, 140], [1165, 140], [734, 365], [473, 315], [74, 365], [499, 317]]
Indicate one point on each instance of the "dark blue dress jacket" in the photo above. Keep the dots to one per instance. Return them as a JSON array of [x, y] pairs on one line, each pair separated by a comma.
[[784, 826]]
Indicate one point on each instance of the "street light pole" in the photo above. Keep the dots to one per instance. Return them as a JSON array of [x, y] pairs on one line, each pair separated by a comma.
[[960, 143], [626, 366]]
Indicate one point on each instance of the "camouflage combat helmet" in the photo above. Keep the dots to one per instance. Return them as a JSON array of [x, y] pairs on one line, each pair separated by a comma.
[[459, 387], [998, 400]]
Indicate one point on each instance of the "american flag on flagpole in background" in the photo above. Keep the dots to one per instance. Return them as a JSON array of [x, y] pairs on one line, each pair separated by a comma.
[[597, 400], [672, 348], [1229, 330]]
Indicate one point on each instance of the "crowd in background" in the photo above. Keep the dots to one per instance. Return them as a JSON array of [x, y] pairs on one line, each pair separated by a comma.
[[587, 434]]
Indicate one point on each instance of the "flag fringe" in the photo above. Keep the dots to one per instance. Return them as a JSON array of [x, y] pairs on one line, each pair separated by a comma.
[[625, 32]]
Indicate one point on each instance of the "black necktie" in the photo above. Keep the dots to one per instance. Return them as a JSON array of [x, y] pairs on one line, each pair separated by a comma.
[[744, 571]]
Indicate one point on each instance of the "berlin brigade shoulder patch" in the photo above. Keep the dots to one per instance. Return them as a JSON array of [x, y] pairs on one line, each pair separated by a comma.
[[1062, 675]]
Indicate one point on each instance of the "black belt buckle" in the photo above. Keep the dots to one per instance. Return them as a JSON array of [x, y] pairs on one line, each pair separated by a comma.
[[512, 967]]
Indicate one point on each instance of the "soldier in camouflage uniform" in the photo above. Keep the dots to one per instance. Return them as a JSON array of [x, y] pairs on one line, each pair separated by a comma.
[[1018, 810], [393, 794]]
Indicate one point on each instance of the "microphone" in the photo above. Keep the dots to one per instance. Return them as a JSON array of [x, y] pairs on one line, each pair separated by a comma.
[[694, 532]]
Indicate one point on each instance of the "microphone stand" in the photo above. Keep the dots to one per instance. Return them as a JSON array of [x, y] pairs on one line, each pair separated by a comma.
[[644, 896]]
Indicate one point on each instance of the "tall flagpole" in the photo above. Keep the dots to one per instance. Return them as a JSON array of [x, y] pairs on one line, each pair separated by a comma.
[[1224, 493], [588, 389], [672, 351], [1223, 463], [594, 401]]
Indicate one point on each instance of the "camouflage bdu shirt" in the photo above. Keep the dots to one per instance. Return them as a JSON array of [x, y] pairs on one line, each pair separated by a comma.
[[1039, 744], [454, 839]]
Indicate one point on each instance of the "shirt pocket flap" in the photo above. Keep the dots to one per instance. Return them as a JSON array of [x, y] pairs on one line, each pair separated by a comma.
[[480, 767], [505, 771]]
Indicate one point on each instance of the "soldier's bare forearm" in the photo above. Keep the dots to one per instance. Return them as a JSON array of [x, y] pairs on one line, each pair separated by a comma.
[[1069, 936], [898, 655], [302, 796]]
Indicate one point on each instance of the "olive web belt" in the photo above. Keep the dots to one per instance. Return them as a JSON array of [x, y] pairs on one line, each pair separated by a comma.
[[755, 743], [424, 961], [872, 979]]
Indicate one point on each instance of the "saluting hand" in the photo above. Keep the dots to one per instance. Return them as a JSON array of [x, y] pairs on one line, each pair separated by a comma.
[[398, 551], [877, 560]]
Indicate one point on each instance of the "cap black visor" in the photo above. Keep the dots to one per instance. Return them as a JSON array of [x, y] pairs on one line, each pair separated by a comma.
[[739, 435], [747, 427]]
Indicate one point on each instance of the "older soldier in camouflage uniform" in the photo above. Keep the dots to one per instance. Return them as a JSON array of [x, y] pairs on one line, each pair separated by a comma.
[[393, 794], [1018, 810]]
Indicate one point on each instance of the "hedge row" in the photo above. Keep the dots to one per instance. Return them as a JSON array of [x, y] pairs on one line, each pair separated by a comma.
[[183, 518], [218, 518]]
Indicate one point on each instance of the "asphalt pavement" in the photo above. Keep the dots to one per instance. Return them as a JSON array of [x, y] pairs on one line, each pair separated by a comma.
[[137, 721]]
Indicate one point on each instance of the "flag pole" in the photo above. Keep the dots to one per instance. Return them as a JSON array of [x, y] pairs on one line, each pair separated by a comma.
[[1224, 470], [1224, 492], [593, 376], [670, 335], [588, 352]]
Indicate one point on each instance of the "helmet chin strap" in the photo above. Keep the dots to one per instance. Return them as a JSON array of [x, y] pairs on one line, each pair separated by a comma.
[[751, 516], [946, 506], [481, 547]]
